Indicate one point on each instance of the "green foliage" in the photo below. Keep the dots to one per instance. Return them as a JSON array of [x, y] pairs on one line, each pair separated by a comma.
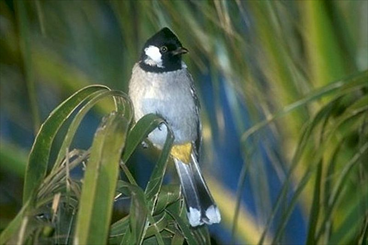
[[62, 210]]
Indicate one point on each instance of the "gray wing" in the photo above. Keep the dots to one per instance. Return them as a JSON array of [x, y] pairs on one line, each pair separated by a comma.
[[198, 142]]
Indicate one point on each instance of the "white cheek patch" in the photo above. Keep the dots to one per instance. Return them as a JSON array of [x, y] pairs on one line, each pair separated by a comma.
[[154, 56]]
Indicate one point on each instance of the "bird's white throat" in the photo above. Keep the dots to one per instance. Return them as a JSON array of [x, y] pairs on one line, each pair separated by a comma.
[[154, 57]]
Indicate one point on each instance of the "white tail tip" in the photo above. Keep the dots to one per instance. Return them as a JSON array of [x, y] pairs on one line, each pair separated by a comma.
[[194, 217], [213, 215]]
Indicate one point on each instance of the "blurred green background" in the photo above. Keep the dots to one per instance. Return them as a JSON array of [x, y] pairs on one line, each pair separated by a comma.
[[283, 88]]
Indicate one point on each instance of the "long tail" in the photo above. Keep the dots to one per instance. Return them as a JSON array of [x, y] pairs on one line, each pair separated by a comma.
[[201, 208]]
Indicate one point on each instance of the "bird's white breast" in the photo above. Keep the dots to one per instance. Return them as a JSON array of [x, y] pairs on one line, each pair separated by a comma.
[[169, 95]]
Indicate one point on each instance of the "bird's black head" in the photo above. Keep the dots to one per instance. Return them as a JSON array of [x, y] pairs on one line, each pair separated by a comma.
[[162, 52]]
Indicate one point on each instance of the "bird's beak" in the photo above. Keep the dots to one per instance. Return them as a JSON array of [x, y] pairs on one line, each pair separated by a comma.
[[180, 50]]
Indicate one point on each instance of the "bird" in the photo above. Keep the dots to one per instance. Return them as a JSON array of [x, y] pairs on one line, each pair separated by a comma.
[[161, 84]]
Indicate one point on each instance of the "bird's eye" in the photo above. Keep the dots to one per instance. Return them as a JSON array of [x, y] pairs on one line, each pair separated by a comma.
[[163, 49]]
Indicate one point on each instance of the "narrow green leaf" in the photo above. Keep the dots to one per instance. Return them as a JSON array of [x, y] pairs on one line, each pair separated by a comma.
[[168, 195], [138, 217], [339, 185], [92, 100], [202, 235], [139, 133], [143, 127], [344, 86], [177, 239], [118, 230], [354, 222], [318, 155], [100, 181], [39, 155], [302, 143], [315, 209], [122, 231], [159, 225], [155, 181]]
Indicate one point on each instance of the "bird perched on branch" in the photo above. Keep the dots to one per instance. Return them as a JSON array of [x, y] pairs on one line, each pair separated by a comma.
[[161, 84]]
